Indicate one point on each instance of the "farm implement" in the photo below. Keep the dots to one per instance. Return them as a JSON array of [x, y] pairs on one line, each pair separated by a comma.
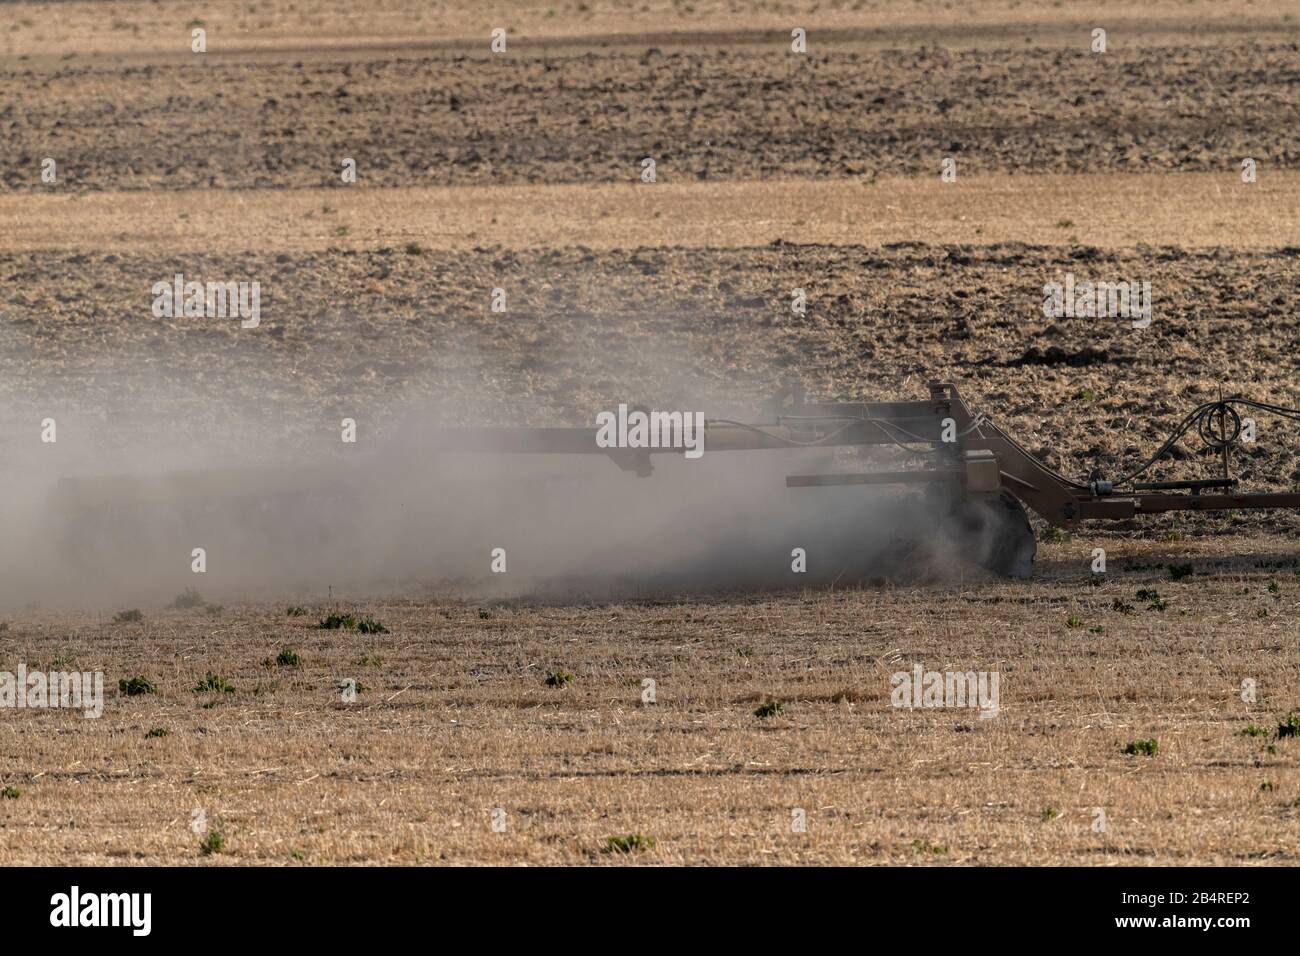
[[964, 487], [980, 478]]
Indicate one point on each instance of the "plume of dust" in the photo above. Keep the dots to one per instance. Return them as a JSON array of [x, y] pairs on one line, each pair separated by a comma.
[[119, 527]]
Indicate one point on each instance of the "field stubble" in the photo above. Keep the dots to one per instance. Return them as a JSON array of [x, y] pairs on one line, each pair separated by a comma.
[[455, 719]]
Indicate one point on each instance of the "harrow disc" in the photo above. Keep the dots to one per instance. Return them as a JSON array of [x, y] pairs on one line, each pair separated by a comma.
[[994, 533]]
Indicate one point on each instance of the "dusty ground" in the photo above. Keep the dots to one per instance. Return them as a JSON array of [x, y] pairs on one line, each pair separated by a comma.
[[1106, 210], [455, 721], [775, 172]]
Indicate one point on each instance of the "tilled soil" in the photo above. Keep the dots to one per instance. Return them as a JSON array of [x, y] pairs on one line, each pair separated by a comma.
[[720, 114], [374, 334]]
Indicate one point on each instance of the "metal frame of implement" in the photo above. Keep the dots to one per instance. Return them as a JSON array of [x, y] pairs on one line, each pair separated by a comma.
[[982, 460]]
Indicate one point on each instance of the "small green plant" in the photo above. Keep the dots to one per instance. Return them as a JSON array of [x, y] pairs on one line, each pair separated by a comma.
[[627, 843], [1145, 748], [414, 249], [187, 599], [1254, 730], [214, 682], [1157, 603], [769, 708], [1267, 787], [1172, 536], [744, 652], [1121, 607], [297, 854], [1097, 630], [365, 660], [1179, 571], [288, 657], [924, 846], [1085, 395], [10, 793], [1261, 612], [558, 677], [1273, 588], [136, 686], [214, 841], [1055, 535], [1073, 621], [1290, 726], [64, 660], [157, 732], [128, 617], [1049, 813], [483, 615], [296, 611], [368, 625], [336, 622]]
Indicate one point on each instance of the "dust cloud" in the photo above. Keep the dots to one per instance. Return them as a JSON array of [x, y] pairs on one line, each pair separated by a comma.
[[115, 522]]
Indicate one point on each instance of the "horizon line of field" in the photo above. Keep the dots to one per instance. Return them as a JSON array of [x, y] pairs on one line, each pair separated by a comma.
[[1107, 210]]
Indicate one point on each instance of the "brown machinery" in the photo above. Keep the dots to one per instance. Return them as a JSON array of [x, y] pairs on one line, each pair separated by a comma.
[[988, 477]]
